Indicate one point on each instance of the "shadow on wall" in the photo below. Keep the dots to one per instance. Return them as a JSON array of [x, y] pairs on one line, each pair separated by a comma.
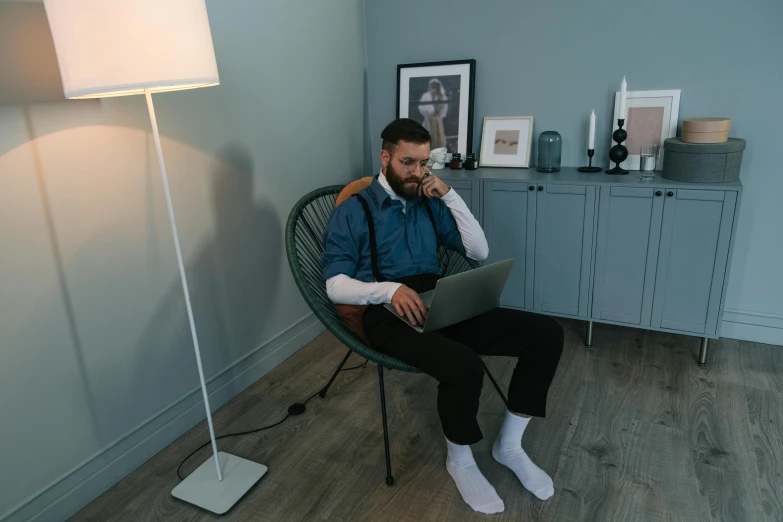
[[367, 144], [29, 73], [28, 62], [234, 278], [233, 284]]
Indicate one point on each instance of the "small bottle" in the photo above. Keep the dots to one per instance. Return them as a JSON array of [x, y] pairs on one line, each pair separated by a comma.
[[470, 162], [455, 161]]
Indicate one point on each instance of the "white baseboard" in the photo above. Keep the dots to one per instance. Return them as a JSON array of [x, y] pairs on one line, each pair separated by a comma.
[[752, 326], [87, 481]]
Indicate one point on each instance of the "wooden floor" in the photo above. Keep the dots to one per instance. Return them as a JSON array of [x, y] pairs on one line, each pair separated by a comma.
[[635, 431]]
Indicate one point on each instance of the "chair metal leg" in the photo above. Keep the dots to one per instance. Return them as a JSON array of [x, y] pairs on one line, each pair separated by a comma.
[[325, 389], [389, 477], [495, 384], [589, 339], [703, 352]]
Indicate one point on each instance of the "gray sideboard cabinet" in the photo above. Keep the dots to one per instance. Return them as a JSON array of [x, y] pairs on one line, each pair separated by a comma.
[[609, 249]]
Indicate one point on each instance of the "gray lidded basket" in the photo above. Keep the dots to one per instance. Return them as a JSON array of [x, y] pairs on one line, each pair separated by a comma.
[[702, 162]]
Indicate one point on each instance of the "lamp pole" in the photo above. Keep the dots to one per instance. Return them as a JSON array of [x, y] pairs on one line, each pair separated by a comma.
[[183, 277]]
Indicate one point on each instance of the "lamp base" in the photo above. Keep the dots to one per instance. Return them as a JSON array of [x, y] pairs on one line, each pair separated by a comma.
[[617, 170], [202, 488], [589, 169]]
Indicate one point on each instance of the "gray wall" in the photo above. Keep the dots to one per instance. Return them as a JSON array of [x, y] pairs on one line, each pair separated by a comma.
[[558, 60], [96, 365]]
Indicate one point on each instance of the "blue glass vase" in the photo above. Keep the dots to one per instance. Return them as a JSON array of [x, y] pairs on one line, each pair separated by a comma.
[[550, 151]]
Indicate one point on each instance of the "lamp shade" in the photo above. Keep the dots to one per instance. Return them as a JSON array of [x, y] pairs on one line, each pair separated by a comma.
[[121, 47]]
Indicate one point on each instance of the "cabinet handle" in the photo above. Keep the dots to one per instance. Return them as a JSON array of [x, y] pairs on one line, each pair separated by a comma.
[[670, 193], [540, 188], [659, 193], [532, 187]]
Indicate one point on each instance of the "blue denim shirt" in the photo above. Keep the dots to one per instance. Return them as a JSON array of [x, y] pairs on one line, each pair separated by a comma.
[[406, 240]]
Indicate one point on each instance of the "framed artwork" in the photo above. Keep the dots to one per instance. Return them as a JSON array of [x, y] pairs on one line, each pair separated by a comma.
[[651, 118], [439, 95], [506, 142]]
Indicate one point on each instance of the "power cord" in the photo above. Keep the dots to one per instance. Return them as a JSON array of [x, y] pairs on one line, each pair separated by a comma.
[[295, 409], [358, 367]]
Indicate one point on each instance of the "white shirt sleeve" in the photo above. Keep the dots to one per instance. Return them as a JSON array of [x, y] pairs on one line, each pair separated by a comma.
[[342, 289], [473, 238]]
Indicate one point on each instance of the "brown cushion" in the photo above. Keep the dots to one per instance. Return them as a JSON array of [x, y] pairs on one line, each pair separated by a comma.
[[353, 314], [352, 188]]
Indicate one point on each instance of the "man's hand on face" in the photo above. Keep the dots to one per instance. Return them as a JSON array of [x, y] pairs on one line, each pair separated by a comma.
[[433, 187], [408, 304]]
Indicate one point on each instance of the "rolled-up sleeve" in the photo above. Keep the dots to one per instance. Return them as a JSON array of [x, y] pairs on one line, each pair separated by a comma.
[[341, 253]]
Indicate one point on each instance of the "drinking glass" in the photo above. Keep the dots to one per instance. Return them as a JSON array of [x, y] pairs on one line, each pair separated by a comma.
[[647, 158]]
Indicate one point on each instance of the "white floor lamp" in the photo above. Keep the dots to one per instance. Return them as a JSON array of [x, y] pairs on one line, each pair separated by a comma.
[[123, 47]]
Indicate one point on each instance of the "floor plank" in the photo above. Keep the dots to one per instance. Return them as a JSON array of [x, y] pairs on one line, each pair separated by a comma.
[[635, 431]]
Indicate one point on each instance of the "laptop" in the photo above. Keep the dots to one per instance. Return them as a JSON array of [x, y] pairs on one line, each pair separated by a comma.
[[461, 296]]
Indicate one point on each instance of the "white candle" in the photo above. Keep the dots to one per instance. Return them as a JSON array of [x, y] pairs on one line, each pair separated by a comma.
[[623, 87], [591, 134]]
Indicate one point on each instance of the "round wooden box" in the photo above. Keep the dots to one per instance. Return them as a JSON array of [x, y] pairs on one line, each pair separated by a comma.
[[706, 130]]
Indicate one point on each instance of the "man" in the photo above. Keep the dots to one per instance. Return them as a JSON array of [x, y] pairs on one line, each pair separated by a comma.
[[407, 258]]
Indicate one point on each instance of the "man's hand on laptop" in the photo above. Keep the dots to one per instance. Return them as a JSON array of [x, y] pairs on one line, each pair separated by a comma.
[[433, 187], [409, 304]]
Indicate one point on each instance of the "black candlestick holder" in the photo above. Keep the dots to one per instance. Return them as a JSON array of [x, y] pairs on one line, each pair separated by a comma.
[[589, 167], [619, 152]]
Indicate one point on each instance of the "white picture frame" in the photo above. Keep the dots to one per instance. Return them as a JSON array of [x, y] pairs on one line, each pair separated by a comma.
[[506, 141], [668, 100]]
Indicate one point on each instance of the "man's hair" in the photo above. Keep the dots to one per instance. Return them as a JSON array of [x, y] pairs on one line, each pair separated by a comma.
[[404, 129]]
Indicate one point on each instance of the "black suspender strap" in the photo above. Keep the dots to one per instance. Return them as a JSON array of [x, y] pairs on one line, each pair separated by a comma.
[[443, 256], [432, 218], [373, 247]]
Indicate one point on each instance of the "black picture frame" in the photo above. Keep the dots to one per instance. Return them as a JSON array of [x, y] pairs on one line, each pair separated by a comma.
[[470, 99]]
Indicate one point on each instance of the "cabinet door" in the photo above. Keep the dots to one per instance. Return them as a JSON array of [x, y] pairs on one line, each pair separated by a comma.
[[695, 237], [564, 248], [629, 228], [509, 219]]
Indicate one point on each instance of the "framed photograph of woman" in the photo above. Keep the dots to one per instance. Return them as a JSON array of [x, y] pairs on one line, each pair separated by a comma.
[[439, 95]]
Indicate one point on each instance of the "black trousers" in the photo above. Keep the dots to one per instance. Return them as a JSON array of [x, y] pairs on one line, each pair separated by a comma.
[[451, 356]]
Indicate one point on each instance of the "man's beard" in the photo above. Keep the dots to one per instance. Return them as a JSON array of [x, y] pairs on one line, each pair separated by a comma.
[[405, 187]]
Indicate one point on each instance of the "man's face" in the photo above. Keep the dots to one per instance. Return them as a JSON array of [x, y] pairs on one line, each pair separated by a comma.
[[406, 156]]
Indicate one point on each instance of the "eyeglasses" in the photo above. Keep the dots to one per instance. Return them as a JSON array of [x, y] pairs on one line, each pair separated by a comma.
[[410, 164]]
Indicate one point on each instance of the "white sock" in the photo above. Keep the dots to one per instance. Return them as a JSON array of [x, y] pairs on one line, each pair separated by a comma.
[[508, 451], [475, 489]]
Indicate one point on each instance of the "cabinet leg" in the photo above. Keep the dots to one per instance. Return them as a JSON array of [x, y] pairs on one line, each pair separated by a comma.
[[703, 352], [589, 339]]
